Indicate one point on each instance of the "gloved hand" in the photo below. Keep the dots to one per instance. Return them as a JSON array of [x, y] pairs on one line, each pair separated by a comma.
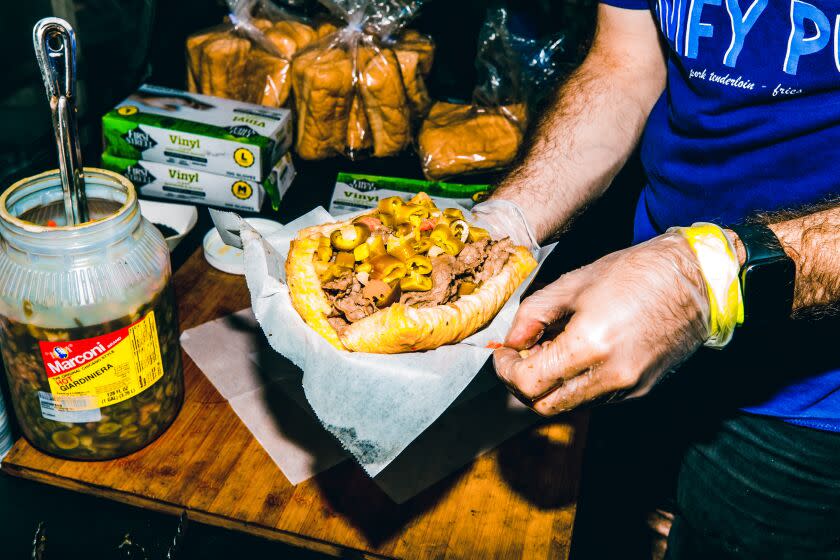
[[503, 218], [631, 317]]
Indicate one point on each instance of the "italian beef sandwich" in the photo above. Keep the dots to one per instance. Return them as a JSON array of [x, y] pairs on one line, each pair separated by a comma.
[[402, 278]]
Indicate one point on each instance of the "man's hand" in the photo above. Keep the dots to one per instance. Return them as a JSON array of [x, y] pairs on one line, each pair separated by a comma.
[[629, 318]]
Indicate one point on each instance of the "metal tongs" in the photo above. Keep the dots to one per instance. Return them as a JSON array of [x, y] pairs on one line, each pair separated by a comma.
[[55, 49]]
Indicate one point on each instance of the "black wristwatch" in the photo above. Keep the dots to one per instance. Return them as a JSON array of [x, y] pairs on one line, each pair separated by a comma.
[[767, 277]]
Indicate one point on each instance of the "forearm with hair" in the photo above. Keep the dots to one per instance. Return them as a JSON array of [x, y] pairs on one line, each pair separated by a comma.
[[586, 136], [811, 237]]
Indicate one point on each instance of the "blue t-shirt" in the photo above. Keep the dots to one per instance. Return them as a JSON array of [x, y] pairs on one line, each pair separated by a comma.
[[749, 121]]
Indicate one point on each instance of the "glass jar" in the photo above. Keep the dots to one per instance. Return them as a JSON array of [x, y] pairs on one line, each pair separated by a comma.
[[88, 325]]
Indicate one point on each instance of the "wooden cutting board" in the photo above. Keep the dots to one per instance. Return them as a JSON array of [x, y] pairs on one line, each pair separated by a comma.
[[517, 501]]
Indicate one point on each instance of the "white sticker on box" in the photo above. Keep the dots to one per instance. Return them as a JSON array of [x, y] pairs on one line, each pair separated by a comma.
[[65, 408]]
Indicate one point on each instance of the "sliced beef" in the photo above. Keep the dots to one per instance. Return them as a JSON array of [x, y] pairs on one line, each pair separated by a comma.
[[332, 299], [340, 284], [472, 256], [354, 305], [497, 257], [443, 286], [336, 289], [477, 262]]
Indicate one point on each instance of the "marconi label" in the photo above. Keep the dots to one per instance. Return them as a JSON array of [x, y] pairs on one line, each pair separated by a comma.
[[92, 373]]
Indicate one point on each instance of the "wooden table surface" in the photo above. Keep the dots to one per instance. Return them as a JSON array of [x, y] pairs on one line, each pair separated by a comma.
[[517, 501]]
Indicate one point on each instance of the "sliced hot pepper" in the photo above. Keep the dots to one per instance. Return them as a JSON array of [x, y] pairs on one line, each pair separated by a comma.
[[422, 245], [419, 264], [361, 252], [65, 440], [443, 238], [389, 205], [404, 230], [477, 234], [453, 214], [401, 248], [324, 250], [416, 283], [376, 245], [422, 199], [406, 212], [387, 268], [460, 229], [345, 259], [387, 220], [349, 237], [334, 271]]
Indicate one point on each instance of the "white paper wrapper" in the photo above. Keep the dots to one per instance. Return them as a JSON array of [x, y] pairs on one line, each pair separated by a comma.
[[265, 391], [375, 404]]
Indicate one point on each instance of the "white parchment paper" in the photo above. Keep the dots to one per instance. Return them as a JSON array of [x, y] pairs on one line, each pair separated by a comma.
[[265, 391], [375, 404]]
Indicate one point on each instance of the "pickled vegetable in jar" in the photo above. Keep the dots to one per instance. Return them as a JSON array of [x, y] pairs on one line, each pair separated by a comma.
[[88, 324]]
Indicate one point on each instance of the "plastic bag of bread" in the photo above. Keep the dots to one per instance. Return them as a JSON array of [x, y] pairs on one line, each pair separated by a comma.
[[457, 138], [484, 135], [360, 90], [248, 58]]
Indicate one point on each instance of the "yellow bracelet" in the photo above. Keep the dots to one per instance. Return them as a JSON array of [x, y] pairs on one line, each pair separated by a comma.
[[719, 266]]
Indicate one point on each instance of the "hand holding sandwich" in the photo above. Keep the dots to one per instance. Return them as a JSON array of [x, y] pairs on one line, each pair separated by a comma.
[[629, 318]]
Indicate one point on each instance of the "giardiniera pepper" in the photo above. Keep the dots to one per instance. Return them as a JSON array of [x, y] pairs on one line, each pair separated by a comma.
[[349, 237], [389, 205], [387, 268], [415, 282], [443, 238]]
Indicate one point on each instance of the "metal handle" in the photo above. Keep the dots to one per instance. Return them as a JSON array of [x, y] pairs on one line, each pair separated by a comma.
[[55, 49]]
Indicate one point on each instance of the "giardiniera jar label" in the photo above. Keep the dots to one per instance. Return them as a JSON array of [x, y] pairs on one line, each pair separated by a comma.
[[92, 373]]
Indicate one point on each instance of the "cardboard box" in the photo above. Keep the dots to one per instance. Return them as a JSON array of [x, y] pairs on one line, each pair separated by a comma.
[[163, 180], [205, 133], [354, 192]]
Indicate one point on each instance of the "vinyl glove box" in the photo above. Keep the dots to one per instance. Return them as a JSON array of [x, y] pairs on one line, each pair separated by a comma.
[[208, 134], [354, 191], [163, 180]]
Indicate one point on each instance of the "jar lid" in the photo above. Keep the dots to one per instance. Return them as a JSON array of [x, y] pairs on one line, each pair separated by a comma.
[[230, 259]]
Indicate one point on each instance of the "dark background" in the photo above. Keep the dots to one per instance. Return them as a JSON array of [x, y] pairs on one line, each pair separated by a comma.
[[123, 43]]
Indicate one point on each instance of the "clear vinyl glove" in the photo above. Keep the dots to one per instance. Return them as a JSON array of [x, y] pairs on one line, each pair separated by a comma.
[[626, 320], [503, 218]]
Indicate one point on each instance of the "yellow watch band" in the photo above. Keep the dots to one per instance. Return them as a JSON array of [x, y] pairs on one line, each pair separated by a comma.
[[719, 266]]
